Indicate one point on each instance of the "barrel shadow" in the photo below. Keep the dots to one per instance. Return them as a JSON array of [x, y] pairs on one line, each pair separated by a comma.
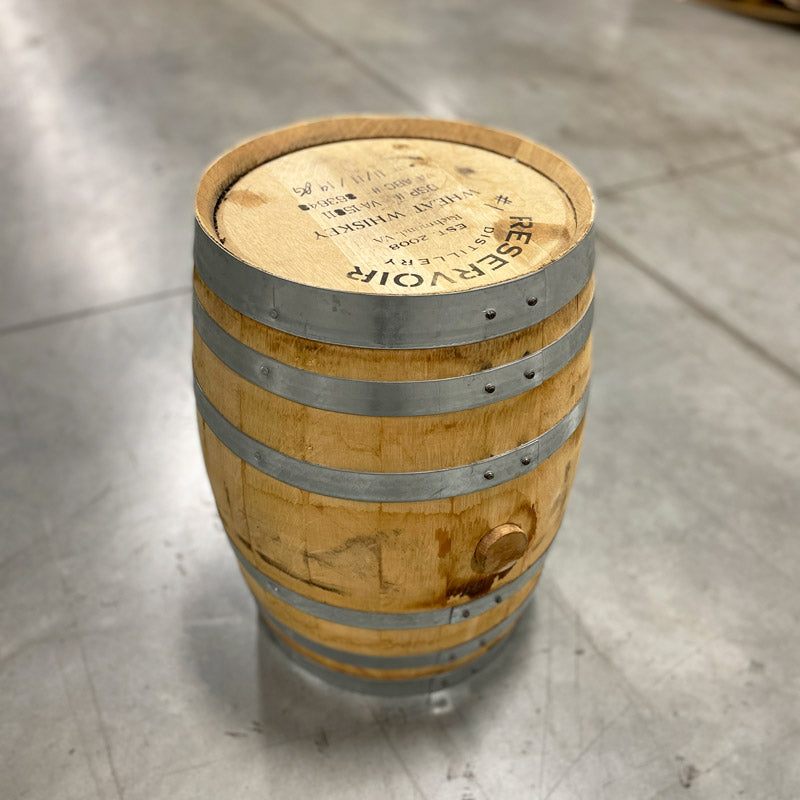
[[279, 675]]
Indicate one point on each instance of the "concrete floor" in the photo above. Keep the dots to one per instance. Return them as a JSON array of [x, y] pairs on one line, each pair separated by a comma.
[[660, 658]]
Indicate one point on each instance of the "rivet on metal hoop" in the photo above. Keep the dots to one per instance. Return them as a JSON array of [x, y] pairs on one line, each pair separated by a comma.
[[490, 313], [488, 474], [530, 373], [489, 388], [532, 301], [264, 370], [273, 313], [526, 460]]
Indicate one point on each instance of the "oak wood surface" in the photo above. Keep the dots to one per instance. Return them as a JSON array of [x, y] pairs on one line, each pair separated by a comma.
[[429, 207], [390, 444], [276, 202], [385, 557], [265, 224]]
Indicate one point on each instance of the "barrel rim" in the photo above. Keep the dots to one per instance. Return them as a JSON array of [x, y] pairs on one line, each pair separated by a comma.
[[371, 320]]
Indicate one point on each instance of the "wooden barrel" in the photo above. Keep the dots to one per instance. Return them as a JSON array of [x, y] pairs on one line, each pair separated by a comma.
[[392, 355]]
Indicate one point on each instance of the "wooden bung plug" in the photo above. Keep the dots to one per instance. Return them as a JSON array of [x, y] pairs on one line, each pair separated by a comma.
[[500, 548], [391, 347]]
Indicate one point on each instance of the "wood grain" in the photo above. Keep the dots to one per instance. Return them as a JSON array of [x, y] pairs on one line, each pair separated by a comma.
[[390, 444], [383, 557]]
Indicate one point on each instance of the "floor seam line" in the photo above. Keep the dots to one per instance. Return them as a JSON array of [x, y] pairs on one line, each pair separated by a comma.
[[699, 169], [348, 54], [708, 314], [93, 311]]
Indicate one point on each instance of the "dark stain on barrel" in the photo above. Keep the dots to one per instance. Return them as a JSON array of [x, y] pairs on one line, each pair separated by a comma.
[[472, 587], [560, 501], [548, 230], [465, 170], [246, 198], [540, 232], [445, 545], [534, 520]]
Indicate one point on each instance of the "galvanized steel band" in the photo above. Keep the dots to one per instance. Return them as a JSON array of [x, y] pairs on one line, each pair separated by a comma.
[[392, 398], [430, 659], [392, 321], [390, 487], [383, 621], [391, 688]]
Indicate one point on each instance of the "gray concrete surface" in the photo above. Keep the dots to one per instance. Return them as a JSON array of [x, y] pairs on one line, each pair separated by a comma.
[[660, 658]]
